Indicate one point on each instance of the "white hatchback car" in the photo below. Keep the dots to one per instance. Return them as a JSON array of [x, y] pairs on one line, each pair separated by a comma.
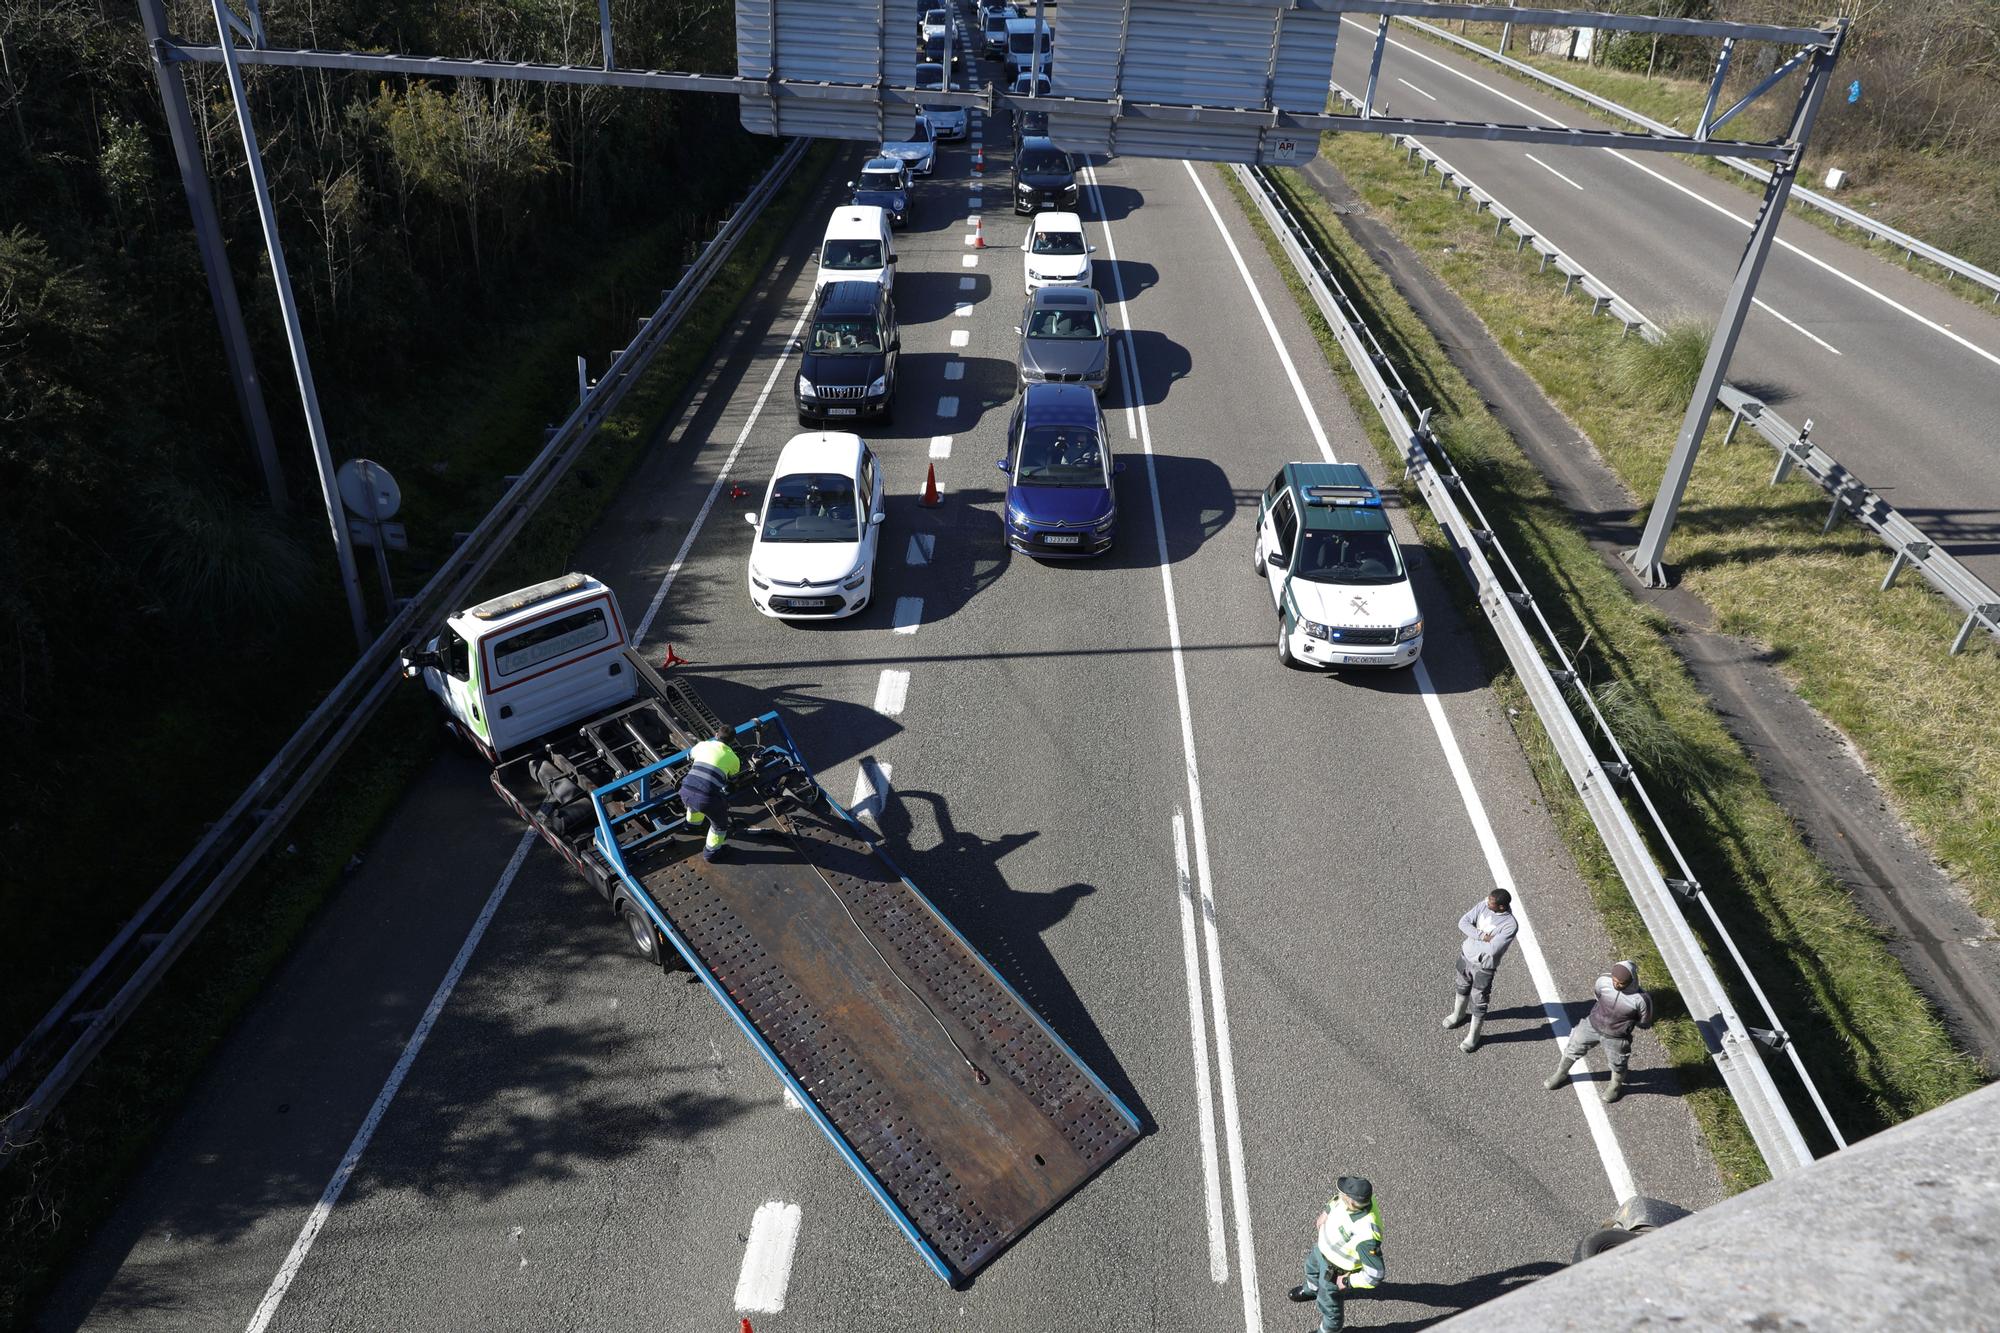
[[1057, 253], [814, 556]]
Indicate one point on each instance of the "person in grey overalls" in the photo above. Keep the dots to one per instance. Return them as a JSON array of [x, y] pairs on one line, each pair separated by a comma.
[[1622, 1004], [1489, 929]]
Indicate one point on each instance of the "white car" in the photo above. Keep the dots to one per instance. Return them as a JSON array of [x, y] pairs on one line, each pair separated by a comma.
[[1334, 570], [814, 556], [1057, 254], [919, 150], [935, 24], [948, 122]]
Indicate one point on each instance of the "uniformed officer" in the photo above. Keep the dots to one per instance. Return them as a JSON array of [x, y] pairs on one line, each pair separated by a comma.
[[1347, 1256], [712, 767]]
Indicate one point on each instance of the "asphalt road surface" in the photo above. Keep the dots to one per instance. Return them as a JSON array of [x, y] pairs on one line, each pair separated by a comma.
[[1231, 887], [1901, 379]]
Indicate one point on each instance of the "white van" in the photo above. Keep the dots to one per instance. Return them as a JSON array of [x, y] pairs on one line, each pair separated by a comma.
[[857, 248], [1022, 35]]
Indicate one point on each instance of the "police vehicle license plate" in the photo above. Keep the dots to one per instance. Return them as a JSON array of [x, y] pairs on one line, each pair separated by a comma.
[[1353, 660], [1070, 539], [842, 411]]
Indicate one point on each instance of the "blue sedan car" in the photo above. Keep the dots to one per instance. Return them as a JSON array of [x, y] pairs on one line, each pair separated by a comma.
[[1060, 503]]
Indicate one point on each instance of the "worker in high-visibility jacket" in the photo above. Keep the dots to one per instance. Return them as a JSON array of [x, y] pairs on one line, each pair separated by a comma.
[[712, 767], [1347, 1254]]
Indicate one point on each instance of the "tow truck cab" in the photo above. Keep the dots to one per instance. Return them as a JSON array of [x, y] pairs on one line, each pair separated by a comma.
[[517, 667]]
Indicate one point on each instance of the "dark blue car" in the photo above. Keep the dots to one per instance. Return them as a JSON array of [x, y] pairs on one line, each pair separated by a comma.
[[1060, 503], [884, 183]]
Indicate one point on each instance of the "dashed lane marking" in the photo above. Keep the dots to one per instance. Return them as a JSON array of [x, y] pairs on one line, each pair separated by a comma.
[[954, 370], [909, 614], [947, 408], [968, 284], [968, 261], [767, 1260], [963, 310], [892, 691], [940, 446], [961, 337], [922, 544]]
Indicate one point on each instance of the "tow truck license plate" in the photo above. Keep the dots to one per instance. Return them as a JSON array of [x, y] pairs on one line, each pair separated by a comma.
[[1069, 539]]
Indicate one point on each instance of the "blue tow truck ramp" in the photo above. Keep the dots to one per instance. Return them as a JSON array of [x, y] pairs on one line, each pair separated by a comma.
[[963, 1112]]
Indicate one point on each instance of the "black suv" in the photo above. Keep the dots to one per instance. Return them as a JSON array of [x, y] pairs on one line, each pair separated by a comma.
[[1044, 176], [850, 348]]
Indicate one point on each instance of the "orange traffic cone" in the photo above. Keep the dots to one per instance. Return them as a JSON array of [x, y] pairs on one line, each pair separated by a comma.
[[979, 233], [672, 659], [746, 1327], [931, 498], [979, 162]]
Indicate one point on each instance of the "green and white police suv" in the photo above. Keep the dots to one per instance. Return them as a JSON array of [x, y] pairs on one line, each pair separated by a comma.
[[515, 668], [1335, 571]]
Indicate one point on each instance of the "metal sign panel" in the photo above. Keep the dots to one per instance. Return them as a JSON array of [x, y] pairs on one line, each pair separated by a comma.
[[833, 56]]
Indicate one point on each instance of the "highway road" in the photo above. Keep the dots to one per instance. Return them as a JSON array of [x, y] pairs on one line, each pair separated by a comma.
[[1232, 887], [1901, 379]]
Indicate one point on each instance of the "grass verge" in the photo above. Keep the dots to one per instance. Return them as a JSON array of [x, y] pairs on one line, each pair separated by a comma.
[[62, 1187], [1868, 1036], [1946, 199]]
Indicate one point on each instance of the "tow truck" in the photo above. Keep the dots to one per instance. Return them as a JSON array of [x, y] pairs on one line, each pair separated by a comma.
[[961, 1110]]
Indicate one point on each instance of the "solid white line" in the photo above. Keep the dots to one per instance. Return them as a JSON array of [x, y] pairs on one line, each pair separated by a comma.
[[1608, 1150], [954, 370], [1772, 311], [1413, 88], [1847, 278], [767, 1260], [1263, 312], [947, 408], [871, 789], [940, 446], [1232, 1118], [922, 544], [1815, 260], [694, 529], [1552, 171], [893, 689], [316, 1219], [909, 614], [1211, 1168]]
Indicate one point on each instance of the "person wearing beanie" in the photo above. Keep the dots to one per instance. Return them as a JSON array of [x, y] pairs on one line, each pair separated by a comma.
[[1488, 928], [1622, 1004], [1346, 1255]]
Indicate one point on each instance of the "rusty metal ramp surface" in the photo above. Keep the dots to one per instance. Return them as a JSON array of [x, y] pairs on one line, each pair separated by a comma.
[[883, 1019]]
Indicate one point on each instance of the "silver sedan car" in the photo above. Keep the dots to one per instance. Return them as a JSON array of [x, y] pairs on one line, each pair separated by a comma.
[[1065, 338]]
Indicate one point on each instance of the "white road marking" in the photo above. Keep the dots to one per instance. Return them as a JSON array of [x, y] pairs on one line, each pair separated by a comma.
[[694, 528], [954, 370], [1608, 1150], [976, 201], [940, 446], [1769, 310], [274, 1295], [1211, 1169], [1263, 312], [961, 337], [967, 261], [1413, 88], [967, 284], [922, 546], [1594, 1115], [1817, 262], [892, 691], [962, 310], [767, 1260], [1232, 1118], [792, 1101], [972, 219], [947, 408], [871, 790], [1849, 279], [1552, 171], [909, 614]]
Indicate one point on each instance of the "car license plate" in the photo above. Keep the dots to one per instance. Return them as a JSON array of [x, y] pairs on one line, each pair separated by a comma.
[[803, 603], [842, 411], [1354, 660], [1069, 540]]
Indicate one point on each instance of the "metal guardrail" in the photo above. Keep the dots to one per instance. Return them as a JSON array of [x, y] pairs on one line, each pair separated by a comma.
[[90, 1013], [1907, 541], [1849, 495], [1731, 1044], [1911, 247]]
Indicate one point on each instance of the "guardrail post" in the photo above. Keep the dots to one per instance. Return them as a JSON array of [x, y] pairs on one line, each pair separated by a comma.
[[1648, 560], [1964, 633]]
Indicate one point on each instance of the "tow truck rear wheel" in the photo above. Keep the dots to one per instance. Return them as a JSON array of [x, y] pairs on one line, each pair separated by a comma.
[[644, 938]]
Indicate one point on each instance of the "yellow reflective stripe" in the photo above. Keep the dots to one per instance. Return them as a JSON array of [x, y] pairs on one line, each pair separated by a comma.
[[717, 756]]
